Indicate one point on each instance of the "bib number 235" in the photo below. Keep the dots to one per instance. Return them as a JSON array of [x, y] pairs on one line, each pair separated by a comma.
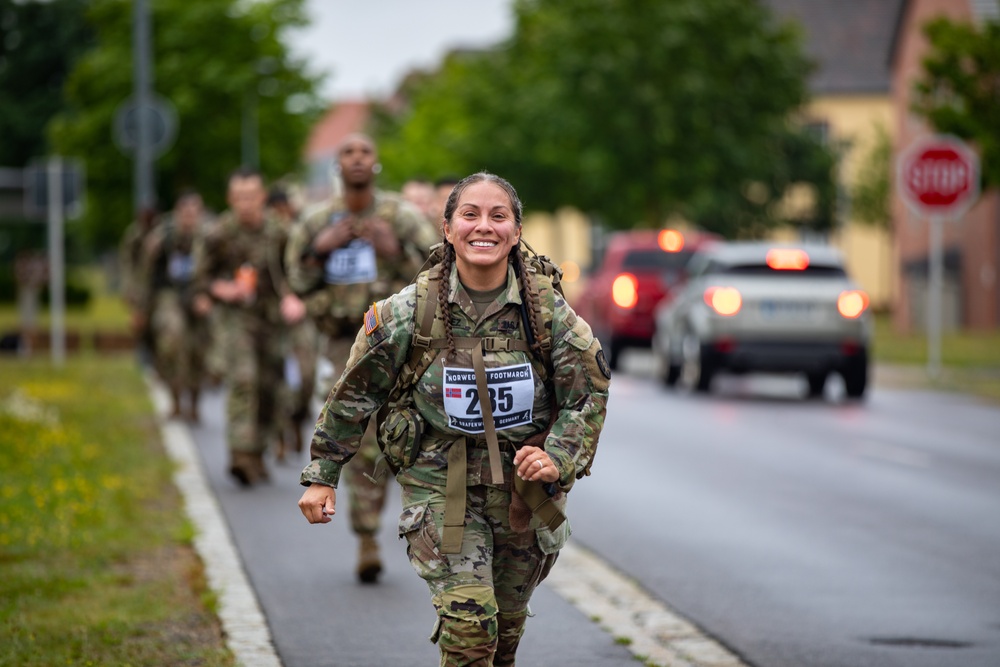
[[511, 392]]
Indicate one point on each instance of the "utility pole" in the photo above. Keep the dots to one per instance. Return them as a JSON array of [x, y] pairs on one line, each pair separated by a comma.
[[142, 60]]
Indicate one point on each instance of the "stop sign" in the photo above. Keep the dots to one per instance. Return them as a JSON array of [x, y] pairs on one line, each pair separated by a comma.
[[938, 176]]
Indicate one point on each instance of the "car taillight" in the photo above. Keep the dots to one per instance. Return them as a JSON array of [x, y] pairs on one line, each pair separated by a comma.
[[787, 259], [625, 291], [724, 300], [670, 240], [852, 303]]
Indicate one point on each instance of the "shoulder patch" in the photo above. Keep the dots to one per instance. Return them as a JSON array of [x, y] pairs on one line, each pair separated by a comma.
[[372, 321], [602, 364]]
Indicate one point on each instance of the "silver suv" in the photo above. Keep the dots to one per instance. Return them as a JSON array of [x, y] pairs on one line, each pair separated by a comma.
[[758, 306]]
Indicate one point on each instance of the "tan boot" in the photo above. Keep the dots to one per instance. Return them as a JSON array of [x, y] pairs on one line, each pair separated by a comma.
[[369, 563]]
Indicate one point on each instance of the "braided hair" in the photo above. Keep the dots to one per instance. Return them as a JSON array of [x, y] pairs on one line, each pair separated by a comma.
[[515, 253]]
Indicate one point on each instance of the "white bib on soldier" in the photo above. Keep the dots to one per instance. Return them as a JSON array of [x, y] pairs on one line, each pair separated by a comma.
[[512, 396], [352, 264]]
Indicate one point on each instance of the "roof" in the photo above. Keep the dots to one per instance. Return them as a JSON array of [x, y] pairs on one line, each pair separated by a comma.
[[849, 40]]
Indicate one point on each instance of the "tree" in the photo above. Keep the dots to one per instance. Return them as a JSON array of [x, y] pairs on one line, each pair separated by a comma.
[[871, 194], [633, 110], [959, 91], [214, 61], [38, 43]]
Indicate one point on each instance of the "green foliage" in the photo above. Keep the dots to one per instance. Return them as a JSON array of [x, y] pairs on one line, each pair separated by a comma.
[[38, 43], [871, 195], [959, 92], [212, 58], [631, 109]]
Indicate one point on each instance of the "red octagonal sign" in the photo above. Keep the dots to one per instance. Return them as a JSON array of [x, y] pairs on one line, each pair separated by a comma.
[[938, 176]]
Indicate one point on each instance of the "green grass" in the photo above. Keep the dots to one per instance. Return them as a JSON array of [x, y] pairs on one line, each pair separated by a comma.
[[104, 312], [96, 563], [970, 360]]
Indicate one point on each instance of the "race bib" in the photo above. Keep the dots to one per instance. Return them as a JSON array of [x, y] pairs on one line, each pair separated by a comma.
[[511, 395], [180, 267], [352, 264]]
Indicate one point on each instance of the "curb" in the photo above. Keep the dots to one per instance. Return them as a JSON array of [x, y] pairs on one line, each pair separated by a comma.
[[655, 634], [244, 627]]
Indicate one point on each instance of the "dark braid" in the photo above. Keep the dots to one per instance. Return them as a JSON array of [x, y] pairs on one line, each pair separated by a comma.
[[445, 267], [528, 295]]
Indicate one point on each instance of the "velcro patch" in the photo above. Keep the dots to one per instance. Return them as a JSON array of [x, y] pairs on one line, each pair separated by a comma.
[[372, 322]]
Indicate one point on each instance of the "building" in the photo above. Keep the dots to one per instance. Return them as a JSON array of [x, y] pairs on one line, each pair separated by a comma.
[[850, 42], [972, 244]]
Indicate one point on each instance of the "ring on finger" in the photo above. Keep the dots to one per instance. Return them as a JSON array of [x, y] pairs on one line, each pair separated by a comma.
[[540, 464]]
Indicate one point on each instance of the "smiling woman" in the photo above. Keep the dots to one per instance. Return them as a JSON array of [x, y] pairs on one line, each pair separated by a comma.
[[495, 395]]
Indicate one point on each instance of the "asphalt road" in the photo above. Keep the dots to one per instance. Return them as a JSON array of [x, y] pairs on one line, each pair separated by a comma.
[[807, 533], [320, 616], [798, 533]]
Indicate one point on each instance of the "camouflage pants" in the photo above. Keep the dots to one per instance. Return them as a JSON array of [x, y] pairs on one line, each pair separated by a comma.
[[178, 342], [303, 350], [365, 498], [254, 369], [481, 594]]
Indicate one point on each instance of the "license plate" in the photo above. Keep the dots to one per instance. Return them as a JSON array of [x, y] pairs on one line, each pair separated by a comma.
[[786, 310]]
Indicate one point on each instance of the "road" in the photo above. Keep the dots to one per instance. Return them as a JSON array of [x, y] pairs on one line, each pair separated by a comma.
[[797, 533], [828, 534]]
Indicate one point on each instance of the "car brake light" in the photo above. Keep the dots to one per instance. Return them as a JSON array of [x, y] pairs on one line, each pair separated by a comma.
[[625, 291], [671, 240], [852, 303], [724, 300], [787, 259]]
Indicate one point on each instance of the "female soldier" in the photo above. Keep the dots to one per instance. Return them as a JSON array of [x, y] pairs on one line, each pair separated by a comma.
[[482, 483]]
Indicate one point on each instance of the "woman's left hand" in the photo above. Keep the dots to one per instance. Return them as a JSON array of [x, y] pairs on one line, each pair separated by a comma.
[[534, 465]]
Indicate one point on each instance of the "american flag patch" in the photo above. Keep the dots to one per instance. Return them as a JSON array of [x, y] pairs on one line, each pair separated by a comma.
[[453, 392], [371, 320]]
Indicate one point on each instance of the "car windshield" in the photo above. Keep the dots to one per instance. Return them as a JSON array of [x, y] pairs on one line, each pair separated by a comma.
[[655, 260], [812, 271]]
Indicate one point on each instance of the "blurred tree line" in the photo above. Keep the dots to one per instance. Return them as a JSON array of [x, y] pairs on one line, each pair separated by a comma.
[[212, 58], [632, 110]]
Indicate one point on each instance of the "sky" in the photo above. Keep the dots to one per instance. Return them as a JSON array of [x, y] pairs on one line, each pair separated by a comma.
[[368, 46]]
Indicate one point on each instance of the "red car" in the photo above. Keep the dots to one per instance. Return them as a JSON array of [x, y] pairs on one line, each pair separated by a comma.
[[640, 268]]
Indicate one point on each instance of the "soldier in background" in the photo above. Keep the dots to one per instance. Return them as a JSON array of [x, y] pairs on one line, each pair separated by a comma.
[[238, 268], [420, 192], [300, 363], [129, 260], [166, 292], [361, 247]]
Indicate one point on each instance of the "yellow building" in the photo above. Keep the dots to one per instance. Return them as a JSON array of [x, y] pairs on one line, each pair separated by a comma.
[[851, 43]]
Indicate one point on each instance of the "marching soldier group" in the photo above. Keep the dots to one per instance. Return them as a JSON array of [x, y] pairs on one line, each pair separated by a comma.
[[343, 299], [263, 301]]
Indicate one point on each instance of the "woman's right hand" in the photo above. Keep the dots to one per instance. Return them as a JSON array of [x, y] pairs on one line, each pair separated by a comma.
[[318, 503]]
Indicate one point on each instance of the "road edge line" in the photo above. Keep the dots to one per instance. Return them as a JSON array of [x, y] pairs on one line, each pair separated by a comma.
[[650, 630], [245, 629]]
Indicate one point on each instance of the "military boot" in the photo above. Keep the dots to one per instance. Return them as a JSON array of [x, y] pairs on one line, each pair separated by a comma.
[[369, 563]]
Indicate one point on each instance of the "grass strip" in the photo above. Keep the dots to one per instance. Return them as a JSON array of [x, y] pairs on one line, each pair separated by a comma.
[[96, 559]]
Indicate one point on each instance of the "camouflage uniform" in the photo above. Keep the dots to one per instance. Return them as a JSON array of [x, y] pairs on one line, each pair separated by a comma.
[[481, 593], [253, 336], [337, 310], [167, 292]]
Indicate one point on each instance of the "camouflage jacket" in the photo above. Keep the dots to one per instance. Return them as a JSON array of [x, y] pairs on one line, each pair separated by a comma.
[[577, 388], [337, 307], [230, 245], [167, 263]]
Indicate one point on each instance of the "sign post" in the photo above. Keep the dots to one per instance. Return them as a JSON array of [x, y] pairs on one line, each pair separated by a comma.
[[938, 178], [57, 281]]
